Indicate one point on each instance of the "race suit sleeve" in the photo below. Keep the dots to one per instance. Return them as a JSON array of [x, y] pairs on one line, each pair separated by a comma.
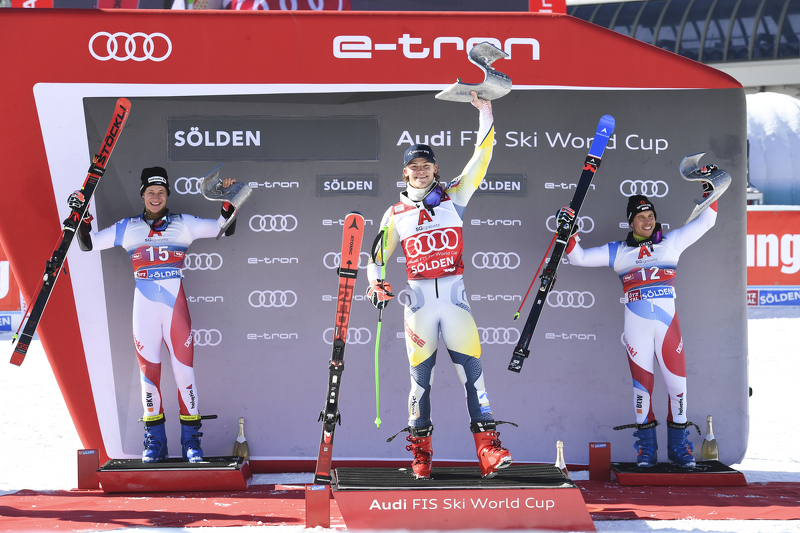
[[591, 257], [684, 237], [463, 187], [391, 240], [109, 237], [203, 228]]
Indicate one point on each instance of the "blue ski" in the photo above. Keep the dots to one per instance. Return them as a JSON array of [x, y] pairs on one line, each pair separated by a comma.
[[548, 278]]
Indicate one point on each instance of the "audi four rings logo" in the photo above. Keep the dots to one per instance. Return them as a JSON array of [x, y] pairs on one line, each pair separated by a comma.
[[273, 223], [585, 224], [354, 336], [499, 260], [184, 185], [656, 188], [272, 298], [130, 46], [334, 260], [434, 241], [576, 299], [212, 261], [206, 337], [499, 335]]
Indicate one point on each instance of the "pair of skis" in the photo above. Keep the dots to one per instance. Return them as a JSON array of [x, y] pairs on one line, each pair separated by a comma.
[[71, 224], [548, 278], [348, 271]]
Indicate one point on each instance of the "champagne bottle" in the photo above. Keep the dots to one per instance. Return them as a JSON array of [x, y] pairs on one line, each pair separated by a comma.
[[709, 451], [560, 463], [240, 447]]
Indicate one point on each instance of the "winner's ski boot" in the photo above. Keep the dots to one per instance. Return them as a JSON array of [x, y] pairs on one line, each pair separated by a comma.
[[190, 439], [421, 447], [647, 446], [491, 454], [679, 447], [155, 439]]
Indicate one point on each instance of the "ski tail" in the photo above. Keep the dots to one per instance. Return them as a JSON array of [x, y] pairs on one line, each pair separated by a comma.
[[348, 271], [605, 128], [71, 223]]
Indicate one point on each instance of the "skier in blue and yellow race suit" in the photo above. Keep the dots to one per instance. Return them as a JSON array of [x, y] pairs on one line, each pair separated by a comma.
[[427, 223]]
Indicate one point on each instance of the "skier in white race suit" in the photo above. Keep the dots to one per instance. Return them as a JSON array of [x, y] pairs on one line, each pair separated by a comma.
[[427, 223], [646, 262], [156, 242]]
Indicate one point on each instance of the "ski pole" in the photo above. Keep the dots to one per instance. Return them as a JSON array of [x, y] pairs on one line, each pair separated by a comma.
[[516, 315], [379, 242]]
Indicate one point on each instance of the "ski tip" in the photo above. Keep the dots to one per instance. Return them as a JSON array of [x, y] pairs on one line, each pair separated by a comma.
[[124, 102]]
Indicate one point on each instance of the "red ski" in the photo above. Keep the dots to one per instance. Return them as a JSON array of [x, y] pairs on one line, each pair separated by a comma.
[[348, 270], [71, 224]]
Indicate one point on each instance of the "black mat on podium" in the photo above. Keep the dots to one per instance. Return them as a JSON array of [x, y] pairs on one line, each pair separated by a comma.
[[515, 476], [175, 463], [703, 467]]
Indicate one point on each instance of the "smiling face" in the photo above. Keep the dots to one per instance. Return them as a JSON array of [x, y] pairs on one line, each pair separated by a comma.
[[643, 224], [155, 201], [420, 172]]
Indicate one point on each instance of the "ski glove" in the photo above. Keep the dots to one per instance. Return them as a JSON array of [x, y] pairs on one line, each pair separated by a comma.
[[76, 201], [565, 215], [379, 293]]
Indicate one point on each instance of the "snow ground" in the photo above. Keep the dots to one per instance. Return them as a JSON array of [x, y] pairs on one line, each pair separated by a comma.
[[38, 425]]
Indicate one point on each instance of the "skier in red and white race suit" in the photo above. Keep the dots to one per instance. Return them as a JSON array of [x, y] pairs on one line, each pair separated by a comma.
[[647, 263], [427, 224], [156, 242]]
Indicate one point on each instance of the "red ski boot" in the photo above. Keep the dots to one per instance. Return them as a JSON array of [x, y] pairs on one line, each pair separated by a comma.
[[491, 454], [420, 439]]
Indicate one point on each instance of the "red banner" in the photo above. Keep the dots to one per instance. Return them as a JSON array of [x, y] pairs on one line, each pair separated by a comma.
[[9, 290], [773, 247]]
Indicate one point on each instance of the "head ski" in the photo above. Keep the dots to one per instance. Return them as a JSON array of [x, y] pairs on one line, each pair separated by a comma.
[[56, 261], [348, 270], [548, 278]]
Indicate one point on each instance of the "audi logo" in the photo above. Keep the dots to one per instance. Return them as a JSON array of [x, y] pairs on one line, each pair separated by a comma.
[[212, 261], [273, 223], [657, 188], [184, 185], [334, 260], [585, 224], [492, 260], [354, 336], [576, 299], [131, 46], [499, 335], [434, 241], [272, 298], [206, 337]]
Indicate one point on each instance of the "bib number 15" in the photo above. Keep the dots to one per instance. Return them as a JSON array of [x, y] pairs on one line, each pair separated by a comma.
[[161, 253]]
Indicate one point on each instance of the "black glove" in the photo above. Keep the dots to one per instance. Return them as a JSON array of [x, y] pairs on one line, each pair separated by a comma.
[[76, 201], [227, 210], [565, 215]]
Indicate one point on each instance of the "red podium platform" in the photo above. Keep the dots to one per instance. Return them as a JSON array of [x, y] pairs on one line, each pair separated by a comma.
[[175, 475], [705, 474], [519, 497]]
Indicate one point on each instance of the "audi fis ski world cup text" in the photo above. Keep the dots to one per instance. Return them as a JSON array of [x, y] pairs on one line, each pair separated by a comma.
[[460, 504]]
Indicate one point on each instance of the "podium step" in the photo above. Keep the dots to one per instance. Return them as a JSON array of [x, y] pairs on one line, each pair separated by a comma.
[[175, 475], [706, 473], [519, 497]]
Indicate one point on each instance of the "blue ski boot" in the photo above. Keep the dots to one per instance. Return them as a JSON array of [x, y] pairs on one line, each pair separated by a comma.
[[155, 439], [190, 439], [646, 447], [679, 448]]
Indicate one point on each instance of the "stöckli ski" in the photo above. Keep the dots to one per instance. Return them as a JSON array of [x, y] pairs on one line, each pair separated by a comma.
[[548, 278], [56, 261], [348, 271]]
